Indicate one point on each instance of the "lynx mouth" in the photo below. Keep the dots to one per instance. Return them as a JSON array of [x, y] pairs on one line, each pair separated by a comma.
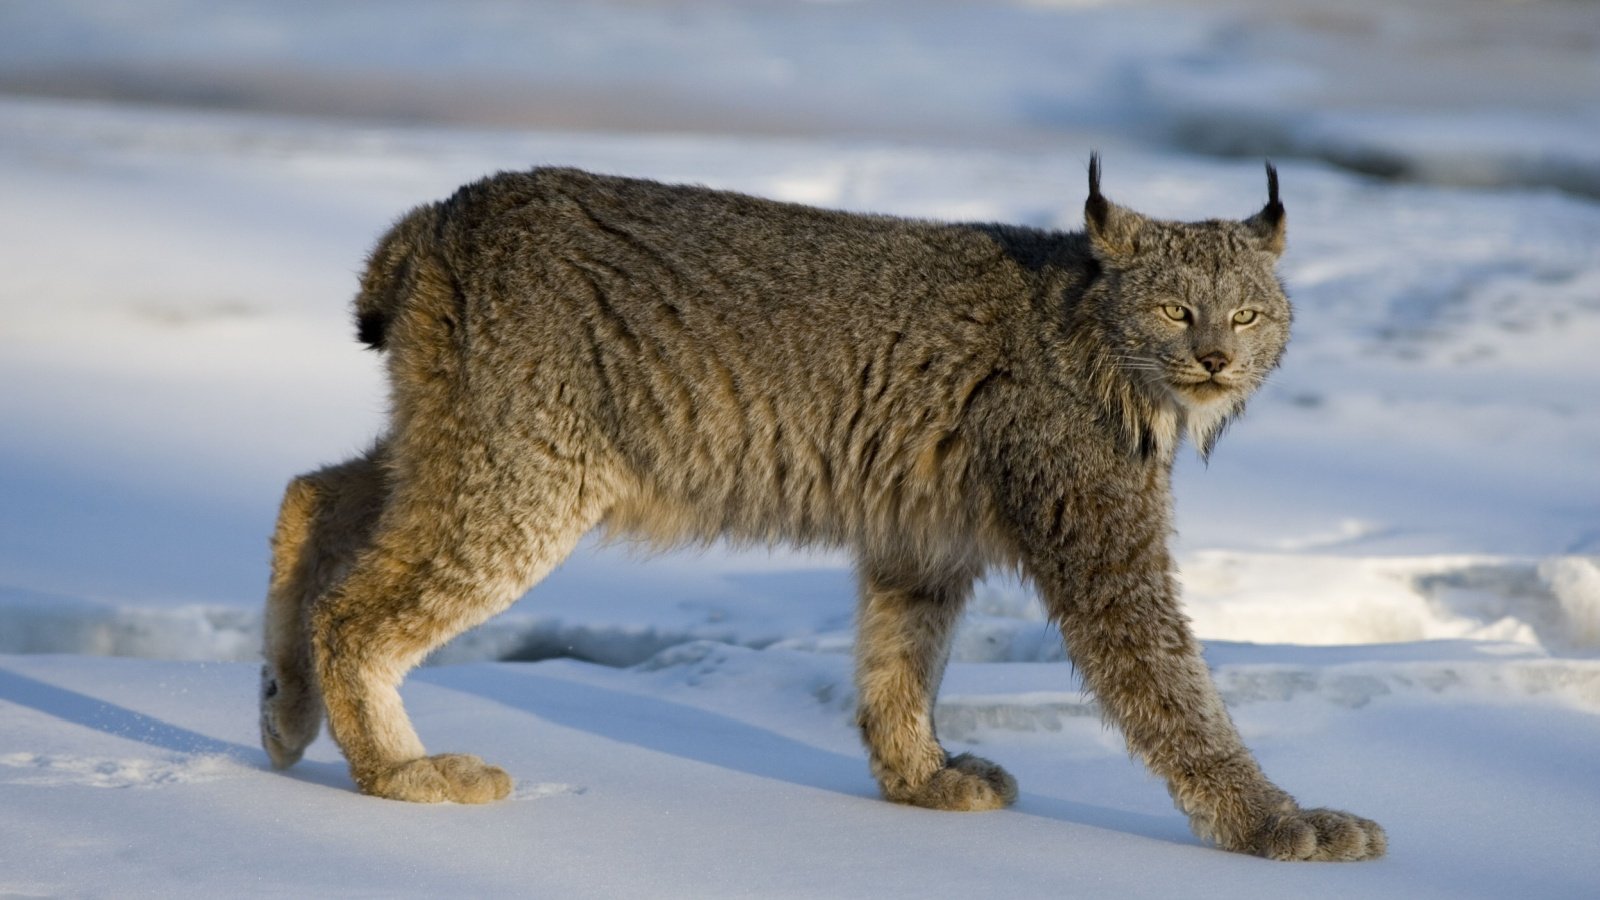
[[1203, 391]]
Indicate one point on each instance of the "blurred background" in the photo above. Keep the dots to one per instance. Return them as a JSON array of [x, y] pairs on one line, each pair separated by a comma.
[[187, 190], [1460, 91]]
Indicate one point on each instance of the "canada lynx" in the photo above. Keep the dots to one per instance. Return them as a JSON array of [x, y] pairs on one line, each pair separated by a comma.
[[568, 350]]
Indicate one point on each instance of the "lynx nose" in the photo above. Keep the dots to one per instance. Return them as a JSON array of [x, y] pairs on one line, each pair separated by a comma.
[[1215, 361]]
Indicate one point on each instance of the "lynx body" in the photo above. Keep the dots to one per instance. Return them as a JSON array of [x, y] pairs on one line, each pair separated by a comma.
[[568, 350]]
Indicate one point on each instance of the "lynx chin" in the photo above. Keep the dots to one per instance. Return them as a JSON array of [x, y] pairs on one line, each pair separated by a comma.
[[568, 351]]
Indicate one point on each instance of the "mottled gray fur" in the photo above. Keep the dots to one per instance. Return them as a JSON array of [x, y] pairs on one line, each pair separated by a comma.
[[568, 350]]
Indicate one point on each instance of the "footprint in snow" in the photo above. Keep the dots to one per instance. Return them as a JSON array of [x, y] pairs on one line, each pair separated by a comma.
[[530, 791], [54, 770]]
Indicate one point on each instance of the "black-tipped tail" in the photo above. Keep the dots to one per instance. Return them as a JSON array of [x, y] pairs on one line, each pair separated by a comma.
[[370, 328]]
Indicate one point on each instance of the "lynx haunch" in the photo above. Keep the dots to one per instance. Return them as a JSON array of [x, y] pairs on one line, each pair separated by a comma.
[[569, 351]]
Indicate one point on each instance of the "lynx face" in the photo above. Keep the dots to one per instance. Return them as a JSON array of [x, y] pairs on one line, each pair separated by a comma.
[[1195, 310]]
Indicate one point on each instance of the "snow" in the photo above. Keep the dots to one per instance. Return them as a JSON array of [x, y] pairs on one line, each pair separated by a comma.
[[722, 771], [1394, 558]]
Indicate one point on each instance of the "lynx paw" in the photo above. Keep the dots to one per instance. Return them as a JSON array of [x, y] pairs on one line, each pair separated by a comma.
[[967, 783], [1318, 834], [447, 777]]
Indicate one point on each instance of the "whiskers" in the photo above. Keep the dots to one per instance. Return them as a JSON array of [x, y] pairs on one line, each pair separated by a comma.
[[1142, 368], [1257, 379]]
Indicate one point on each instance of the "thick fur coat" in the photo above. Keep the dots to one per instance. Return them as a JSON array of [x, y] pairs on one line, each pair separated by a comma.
[[568, 350]]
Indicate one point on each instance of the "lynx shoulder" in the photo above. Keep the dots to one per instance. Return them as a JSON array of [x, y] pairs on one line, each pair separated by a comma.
[[569, 351]]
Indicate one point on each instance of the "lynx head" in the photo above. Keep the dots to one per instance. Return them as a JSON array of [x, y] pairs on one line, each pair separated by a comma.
[[1195, 315]]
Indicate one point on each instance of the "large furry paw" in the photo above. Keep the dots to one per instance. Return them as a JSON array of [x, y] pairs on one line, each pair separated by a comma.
[[291, 716], [447, 777], [1317, 834], [967, 783]]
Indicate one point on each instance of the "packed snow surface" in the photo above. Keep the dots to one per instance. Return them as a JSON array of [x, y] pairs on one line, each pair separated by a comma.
[[1394, 557]]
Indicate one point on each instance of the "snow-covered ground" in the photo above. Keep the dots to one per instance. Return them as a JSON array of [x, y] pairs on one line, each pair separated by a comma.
[[1395, 557]]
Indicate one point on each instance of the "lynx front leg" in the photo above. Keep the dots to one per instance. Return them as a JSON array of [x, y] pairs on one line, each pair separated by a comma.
[[326, 518], [903, 639], [452, 548], [1107, 583]]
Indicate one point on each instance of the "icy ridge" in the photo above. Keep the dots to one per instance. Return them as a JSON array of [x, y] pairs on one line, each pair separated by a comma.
[[1030, 697], [1552, 604]]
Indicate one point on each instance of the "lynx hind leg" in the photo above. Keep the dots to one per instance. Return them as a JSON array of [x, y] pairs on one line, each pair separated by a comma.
[[903, 640], [451, 549], [326, 518]]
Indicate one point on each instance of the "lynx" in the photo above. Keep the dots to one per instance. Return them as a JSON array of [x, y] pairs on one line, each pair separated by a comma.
[[569, 351]]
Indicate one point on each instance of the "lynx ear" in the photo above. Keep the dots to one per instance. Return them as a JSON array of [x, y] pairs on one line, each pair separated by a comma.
[[1113, 230], [1268, 225]]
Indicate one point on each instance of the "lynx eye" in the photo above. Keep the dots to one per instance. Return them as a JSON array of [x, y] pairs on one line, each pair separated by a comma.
[[1176, 312], [1244, 317]]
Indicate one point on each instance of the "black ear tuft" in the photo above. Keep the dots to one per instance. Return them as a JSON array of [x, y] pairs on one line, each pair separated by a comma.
[[1095, 209], [1273, 212], [1113, 230], [1268, 225]]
